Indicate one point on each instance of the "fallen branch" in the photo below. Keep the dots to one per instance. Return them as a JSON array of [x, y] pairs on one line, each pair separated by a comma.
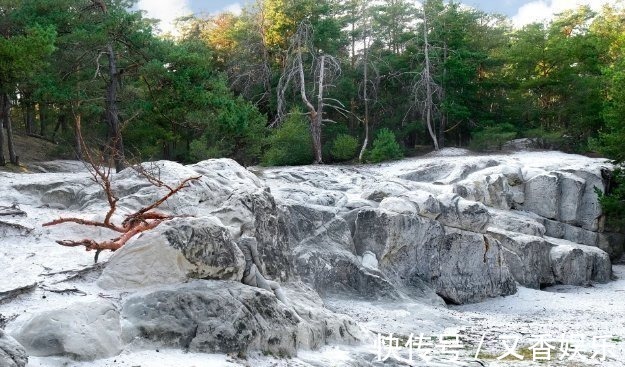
[[84, 222], [13, 293], [5, 227], [13, 210], [113, 244], [64, 291], [75, 274]]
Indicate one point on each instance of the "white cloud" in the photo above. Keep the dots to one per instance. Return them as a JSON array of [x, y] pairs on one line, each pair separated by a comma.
[[544, 10], [167, 11], [233, 8]]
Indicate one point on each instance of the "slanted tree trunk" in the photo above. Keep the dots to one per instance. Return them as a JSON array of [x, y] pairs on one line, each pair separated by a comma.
[[112, 111], [6, 107]]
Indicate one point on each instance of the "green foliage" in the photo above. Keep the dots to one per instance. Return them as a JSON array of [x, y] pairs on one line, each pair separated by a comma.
[[290, 144], [545, 139], [385, 147], [611, 139], [613, 202], [24, 54], [211, 93], [493, 137], [344, 147]]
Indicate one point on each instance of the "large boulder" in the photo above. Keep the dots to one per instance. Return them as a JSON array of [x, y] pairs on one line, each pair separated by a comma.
[[457, 212], [180, 249], [82, 331], [527, 257], [461, 266], [578, 264], [324, 254], [520, 222], [611, 243], [590, 209], [12, 354], [405, 246], [473, 268], [572, 190], [225, 317], [542, 196]]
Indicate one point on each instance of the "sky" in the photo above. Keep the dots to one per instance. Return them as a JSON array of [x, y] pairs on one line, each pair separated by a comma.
[[520, 11]]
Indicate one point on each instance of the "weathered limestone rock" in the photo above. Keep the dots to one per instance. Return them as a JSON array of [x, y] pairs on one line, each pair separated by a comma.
[[498, 186], [611, 243], [56, 193], [404, 246], [542, 196], [527, 257], [81, 331], [369, 260], [520, 145], [461, 266], [472, 268], [12, 354], [578, 264], [229, 317], [590, 209], [377, 191], [177, 250], [325, 257], [515, 222], [457, 212], [398, 205], [571, 192]]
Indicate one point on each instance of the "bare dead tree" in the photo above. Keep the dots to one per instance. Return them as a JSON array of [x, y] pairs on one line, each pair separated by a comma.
[[100, 166], [253, 65], [365, 82], [424, 87], [325, 70]]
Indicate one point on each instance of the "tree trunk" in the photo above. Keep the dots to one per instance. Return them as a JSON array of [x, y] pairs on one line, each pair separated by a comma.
[[78, 135], [2, 115], [61, 124], [116, 144], [365, 97], [443, 125], [316, 116], [317, 119], [428, 85], [315, 131], [42, 119], [9, 126], [29, 116]]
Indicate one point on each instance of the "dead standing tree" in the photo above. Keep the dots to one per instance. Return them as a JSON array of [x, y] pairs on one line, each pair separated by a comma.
[[365, 81], [325, 69], [100, 167], [424, 88]]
